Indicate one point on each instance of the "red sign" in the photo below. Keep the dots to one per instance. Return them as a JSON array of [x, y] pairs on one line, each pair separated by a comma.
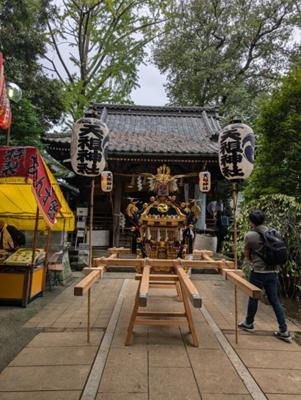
[[5, 112], [27, 162]]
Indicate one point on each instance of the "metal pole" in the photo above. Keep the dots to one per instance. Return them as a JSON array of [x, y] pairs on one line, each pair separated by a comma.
[[46, 256], [35, 236], [234, 199]]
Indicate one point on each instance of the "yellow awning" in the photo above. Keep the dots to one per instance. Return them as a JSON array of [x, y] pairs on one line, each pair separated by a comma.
[[18, 205]]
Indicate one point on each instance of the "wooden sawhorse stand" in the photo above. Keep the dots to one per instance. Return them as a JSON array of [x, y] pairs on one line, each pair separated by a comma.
[[174, 276], [185, 289]]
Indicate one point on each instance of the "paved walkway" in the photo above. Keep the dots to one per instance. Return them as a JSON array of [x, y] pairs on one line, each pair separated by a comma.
[[161, 363]]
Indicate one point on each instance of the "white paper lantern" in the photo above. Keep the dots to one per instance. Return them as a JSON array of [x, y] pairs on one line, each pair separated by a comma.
[[205, 181], [107, 181], [236, 151], [88, 146]]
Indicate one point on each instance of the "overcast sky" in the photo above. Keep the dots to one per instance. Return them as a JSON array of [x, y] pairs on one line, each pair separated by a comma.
[[151, 91]]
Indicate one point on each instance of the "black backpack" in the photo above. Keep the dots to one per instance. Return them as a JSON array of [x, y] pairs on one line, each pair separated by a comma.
[[274, 251]]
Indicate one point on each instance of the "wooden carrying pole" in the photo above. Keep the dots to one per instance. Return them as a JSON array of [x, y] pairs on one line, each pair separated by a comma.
[[85, 286], [90, 255], [173, 276]]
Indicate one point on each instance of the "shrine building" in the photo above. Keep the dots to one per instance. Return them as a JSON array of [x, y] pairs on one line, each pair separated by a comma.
[[141, 139]]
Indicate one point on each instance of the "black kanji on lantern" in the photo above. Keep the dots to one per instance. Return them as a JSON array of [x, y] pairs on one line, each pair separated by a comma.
[[231, 153], [236, 151], [88, 146]]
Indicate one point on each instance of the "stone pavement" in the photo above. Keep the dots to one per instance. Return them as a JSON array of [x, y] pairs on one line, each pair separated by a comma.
[[161, 363]]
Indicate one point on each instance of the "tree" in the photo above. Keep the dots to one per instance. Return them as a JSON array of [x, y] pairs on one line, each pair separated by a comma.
[[97, 46], [23, 43], [278, 159], [225, 52]]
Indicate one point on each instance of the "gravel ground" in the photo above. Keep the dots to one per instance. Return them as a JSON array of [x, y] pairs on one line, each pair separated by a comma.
[[13, 336]]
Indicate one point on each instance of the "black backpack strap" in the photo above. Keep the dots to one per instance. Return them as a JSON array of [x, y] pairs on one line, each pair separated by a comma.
[[263, 242]]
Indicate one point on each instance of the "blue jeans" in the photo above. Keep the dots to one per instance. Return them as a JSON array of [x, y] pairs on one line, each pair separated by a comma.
[[269, 282]]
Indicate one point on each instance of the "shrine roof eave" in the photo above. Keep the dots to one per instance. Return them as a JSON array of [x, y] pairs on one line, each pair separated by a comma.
[[58, 147], [161, 157]]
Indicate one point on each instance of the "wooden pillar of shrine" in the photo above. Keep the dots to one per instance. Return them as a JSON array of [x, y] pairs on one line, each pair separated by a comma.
[[118, 185]]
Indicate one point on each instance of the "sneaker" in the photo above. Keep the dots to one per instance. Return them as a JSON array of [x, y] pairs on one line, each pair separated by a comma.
[[246, 327], [286, 336]]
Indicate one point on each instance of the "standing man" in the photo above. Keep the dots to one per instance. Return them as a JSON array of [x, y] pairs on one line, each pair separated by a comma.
[[262, 276]]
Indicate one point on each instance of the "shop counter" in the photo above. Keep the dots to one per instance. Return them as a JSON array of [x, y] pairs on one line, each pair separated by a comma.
[[20, 282]]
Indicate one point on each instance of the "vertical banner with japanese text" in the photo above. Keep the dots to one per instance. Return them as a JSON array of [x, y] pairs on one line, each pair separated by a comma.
[[27, 162]]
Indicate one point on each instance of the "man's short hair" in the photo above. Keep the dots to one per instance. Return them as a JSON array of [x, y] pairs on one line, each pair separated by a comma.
[[257, 217]]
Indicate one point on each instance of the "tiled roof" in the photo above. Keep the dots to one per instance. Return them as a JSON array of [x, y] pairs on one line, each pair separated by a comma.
[[155, 130]]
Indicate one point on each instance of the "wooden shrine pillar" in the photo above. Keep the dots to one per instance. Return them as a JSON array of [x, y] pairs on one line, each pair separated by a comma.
[[201, 222], [116, 209]]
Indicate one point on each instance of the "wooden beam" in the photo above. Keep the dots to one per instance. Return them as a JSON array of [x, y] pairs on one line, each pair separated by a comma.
[[144, 287], [168, 264], [160, 314], [226, 264], [192, 291], [101, 261], [85, 284], [88, 270], [161, 277], [165, 322], [162, 285], [224, 272], [247, 287], [119, 250], [201, 253]]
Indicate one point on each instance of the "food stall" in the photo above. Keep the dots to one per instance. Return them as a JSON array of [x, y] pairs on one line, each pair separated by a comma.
[[30, 200]]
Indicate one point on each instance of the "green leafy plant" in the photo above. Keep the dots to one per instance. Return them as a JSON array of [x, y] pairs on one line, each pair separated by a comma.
[[284, 214]]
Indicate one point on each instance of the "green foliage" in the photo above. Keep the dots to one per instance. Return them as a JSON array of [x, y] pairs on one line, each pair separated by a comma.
[[278, 158], [106, 41], [225, 52], [284, 214], [23, 42]]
